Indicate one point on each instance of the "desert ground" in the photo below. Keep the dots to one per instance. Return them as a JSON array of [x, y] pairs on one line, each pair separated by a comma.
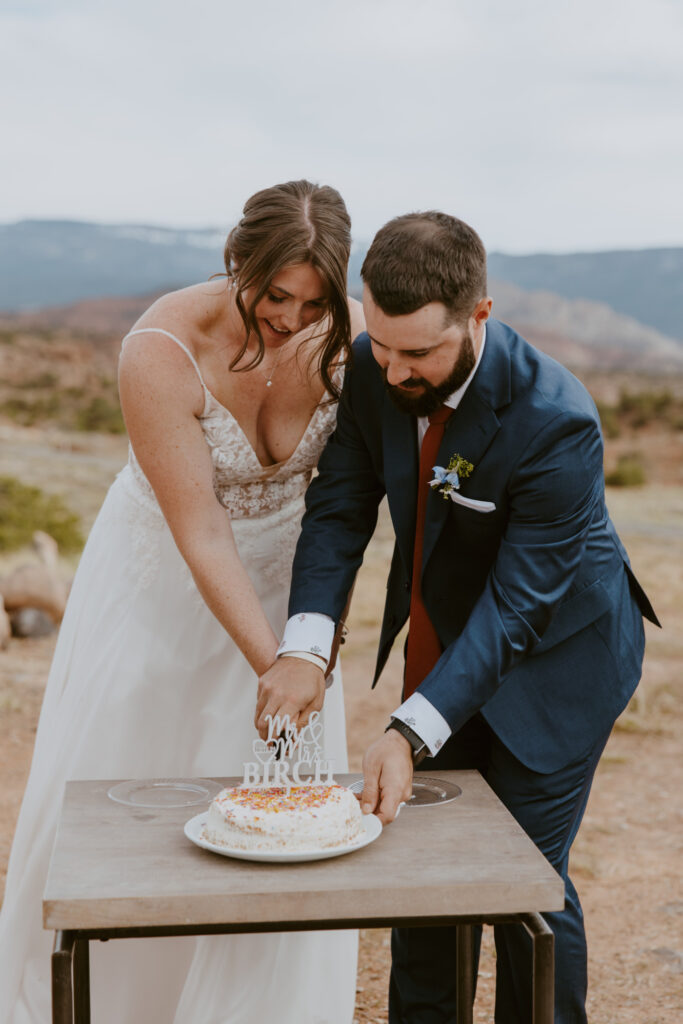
[[627, 859]]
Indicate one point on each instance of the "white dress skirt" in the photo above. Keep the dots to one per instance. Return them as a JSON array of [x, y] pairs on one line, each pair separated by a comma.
[[145, 683]]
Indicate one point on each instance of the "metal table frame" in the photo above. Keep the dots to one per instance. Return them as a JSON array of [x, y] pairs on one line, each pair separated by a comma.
[[513, 884], [71, 959]]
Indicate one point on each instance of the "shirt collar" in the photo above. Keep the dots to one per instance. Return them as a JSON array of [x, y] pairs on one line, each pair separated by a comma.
[[454, 400]]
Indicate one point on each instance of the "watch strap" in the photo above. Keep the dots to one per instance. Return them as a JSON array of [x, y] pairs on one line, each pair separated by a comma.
[[420, 749]]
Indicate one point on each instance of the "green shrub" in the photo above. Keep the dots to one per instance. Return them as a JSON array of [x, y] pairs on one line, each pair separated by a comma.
[[29, 411], [101, 415], [43, 380], [609, 420], [629, 472], [645, 406], [24, 509]]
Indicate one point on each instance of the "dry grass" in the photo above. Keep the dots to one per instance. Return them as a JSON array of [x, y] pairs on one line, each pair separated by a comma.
[[627, 857]]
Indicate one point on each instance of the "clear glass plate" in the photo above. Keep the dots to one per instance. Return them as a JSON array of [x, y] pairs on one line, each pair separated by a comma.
[[164, 792], [426, 791]]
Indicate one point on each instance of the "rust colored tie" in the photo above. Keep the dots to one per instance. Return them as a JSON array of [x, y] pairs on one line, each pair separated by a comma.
[[424, 646]]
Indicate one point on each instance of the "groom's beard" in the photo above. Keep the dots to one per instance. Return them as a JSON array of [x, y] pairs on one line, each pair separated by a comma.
[[430, 397]]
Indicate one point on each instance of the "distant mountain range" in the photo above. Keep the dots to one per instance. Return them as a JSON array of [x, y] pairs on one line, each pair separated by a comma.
[[53, 262], [583, 334], [646, 284], [607, 310]]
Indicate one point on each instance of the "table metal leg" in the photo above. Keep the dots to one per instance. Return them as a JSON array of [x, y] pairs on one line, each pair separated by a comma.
[[71, 970], [82, 981], [62, 985], [464, 953], [70, 979], [544, 968]]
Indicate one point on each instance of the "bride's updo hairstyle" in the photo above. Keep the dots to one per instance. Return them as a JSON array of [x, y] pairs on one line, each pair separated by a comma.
[[296, 222]]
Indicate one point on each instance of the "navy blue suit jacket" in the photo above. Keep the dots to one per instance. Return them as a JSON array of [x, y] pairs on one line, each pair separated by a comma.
[[535, 603]]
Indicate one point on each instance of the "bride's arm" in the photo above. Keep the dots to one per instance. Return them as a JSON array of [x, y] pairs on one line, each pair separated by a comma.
[[161, 398]]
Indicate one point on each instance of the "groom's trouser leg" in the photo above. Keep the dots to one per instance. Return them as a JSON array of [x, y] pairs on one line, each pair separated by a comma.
[[549, 808], [422, 987], [423, 984]]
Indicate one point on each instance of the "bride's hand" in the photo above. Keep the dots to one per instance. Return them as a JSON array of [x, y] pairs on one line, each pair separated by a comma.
[[291, 686]]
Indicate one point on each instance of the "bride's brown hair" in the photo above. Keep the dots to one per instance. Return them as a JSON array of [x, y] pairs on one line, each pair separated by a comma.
[[296, 222]]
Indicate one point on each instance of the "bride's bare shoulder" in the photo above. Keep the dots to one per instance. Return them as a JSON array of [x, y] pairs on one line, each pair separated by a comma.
[[190, 308], [152, 360]]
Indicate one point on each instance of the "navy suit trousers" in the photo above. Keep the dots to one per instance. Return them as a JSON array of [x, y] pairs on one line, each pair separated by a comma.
[[549, 808]]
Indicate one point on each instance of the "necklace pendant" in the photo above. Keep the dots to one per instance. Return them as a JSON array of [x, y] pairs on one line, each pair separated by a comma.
[[269, 383]]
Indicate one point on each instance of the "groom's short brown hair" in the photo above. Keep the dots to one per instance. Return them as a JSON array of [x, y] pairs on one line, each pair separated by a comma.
[[426, 257]]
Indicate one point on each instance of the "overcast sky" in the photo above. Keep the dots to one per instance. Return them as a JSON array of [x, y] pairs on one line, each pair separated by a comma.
[[550, 125]]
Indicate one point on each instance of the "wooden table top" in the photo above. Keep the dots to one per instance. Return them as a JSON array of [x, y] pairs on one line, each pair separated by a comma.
[[116, 866]]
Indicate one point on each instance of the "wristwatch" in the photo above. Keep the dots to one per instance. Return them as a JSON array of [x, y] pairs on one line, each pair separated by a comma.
[[420, 748]]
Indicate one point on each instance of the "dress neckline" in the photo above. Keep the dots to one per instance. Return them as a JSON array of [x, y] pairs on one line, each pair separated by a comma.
[[270, 467]]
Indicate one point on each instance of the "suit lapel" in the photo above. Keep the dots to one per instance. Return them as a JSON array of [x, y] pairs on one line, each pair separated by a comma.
[[472, 427], [469, 432], [400, 474]]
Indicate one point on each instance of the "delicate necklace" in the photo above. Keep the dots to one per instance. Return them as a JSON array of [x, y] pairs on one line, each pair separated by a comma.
[[269, 376]]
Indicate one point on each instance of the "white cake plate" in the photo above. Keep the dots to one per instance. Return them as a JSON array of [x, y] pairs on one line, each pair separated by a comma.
[[372, 827]]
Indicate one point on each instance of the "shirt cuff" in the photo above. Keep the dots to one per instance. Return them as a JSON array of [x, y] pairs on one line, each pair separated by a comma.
[[310, 632], [315, 659], [425, 720]]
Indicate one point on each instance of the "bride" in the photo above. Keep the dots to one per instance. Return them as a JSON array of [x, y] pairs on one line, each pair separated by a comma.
[[228, 390]]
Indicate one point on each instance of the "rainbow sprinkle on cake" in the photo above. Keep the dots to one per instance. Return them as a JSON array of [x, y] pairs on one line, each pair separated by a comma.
[[297, 818]]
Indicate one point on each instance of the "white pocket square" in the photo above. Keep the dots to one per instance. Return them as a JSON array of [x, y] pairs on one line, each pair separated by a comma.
[[473, 503]]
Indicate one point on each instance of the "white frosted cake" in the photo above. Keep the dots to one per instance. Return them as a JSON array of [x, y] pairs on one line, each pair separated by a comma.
[[305, 818]]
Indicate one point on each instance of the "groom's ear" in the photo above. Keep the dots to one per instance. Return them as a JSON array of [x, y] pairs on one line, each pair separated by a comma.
[[482, 311]]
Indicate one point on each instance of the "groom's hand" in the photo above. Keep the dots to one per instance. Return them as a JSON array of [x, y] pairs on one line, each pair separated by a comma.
[[291, 686], [387, 776]]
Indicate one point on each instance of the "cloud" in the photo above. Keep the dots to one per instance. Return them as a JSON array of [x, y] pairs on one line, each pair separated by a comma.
[[545, 124]]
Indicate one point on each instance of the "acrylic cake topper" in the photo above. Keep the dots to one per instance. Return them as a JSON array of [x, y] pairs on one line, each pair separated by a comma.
[[286, 752]]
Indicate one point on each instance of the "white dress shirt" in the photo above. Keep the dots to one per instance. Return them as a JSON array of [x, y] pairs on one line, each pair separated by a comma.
[[310, 634]]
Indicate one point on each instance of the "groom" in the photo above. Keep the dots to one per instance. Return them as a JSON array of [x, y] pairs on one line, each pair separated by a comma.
[[526, 636]]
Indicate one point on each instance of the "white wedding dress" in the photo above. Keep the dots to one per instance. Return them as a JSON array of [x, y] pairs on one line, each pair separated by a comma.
[[146, 683]]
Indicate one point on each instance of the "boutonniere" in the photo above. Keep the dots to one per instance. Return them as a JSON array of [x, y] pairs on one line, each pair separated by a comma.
[[448, 479]]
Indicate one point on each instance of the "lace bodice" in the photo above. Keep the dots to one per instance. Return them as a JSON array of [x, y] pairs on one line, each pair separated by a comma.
[[245, 487]]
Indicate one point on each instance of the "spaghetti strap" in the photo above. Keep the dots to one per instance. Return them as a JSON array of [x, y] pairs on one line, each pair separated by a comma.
[[160, 330]]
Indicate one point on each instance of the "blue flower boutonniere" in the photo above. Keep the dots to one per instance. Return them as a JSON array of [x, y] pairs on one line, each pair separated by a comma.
[[448, 479]]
